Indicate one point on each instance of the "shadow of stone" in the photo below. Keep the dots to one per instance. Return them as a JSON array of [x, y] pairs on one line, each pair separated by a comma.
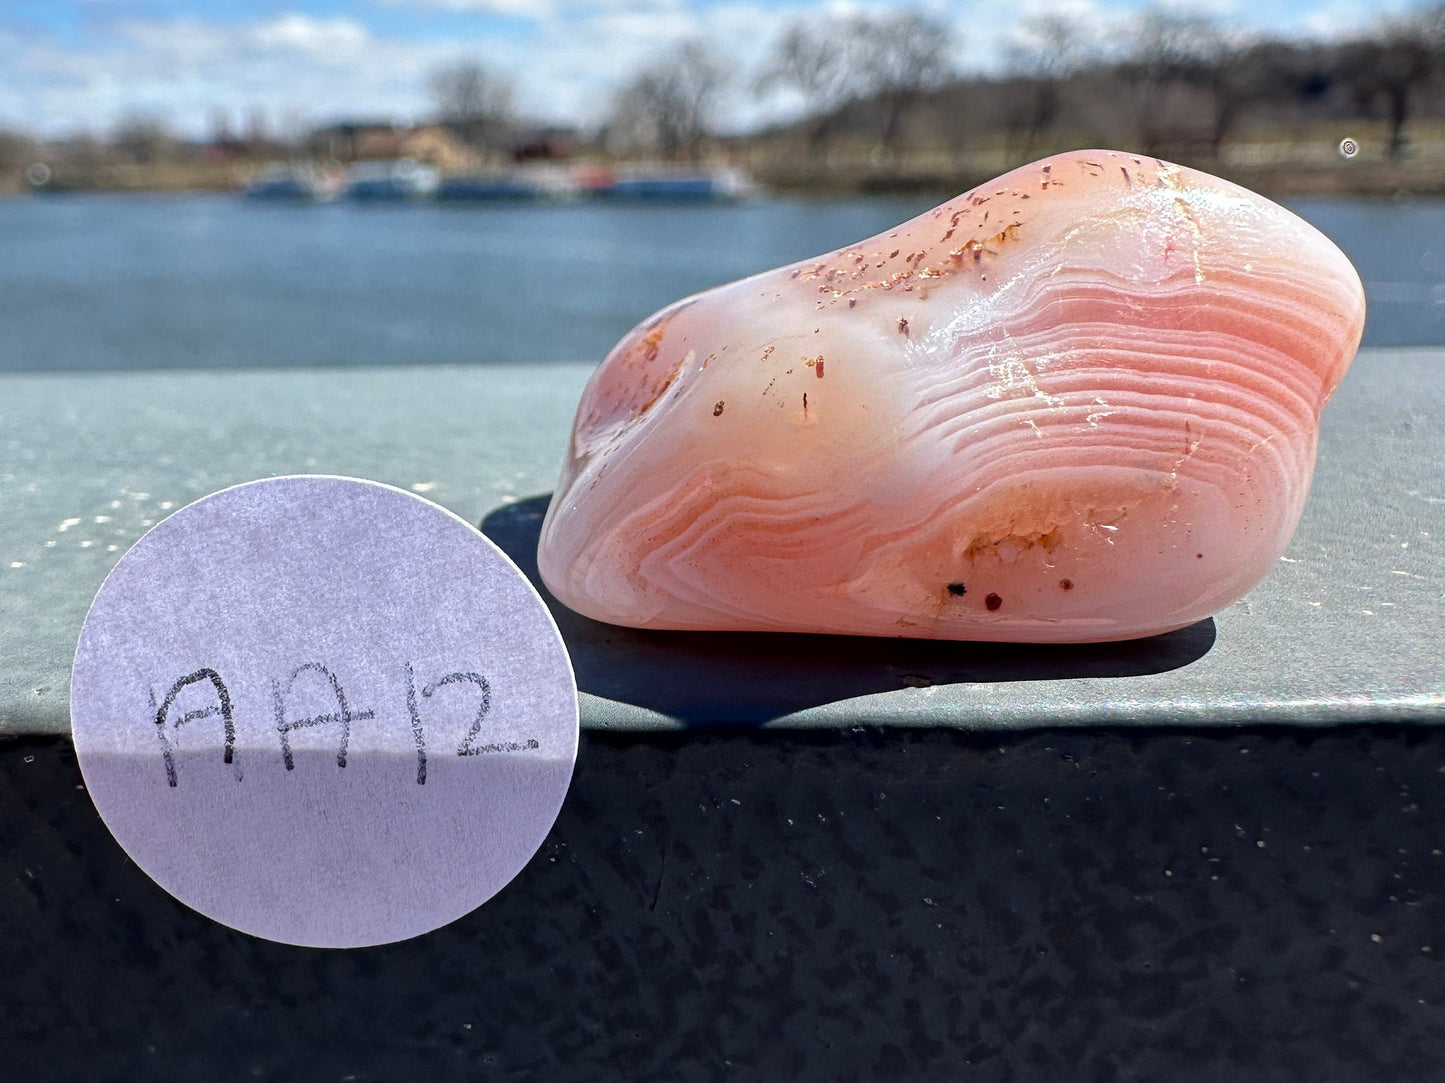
[[748, 678]]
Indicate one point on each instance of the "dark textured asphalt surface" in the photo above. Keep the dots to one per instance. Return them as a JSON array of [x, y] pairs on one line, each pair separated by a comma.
[[857, 905]]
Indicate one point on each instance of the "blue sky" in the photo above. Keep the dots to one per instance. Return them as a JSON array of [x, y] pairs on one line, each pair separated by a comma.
[[69, 66]]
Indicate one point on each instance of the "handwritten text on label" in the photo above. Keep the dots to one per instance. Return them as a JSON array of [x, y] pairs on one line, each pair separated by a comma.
[[169, 718]]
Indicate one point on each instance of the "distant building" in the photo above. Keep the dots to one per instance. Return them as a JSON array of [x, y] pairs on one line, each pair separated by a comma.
[[351, 141], [355, 141], [545, 144], [437, 146]]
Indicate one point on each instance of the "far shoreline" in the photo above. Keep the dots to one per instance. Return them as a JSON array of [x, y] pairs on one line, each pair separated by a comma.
[[1421, 174]]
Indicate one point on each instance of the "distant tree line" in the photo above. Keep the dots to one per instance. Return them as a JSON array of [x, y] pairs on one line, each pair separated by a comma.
[[1185, 79], [670, 107], [1168, 81]]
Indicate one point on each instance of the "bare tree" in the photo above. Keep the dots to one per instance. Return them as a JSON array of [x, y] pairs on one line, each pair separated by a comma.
[[899, 57], [143, 138], [670, 106], [17, 149], [1237, 76], [892, 59], [1395, 64], [814, 63], [1169, 47], [1048, 50], [473, 101]]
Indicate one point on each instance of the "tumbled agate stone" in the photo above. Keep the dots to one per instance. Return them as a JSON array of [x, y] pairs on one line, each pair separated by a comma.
[[1078, 403]]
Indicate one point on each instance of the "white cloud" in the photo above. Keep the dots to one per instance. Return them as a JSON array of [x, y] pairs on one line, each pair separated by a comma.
[[1334, 21], [320, 37], [532, 9], [287, 68], [525, 9], [190, 43], [566, 56], [574, 63]]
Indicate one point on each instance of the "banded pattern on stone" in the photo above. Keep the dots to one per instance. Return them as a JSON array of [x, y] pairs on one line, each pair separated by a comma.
[[1077, 403]]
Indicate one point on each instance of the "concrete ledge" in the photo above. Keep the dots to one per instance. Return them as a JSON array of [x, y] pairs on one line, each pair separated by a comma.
[[1347, 629]]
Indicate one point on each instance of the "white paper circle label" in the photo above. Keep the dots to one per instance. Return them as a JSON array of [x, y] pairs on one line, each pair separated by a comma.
[[324, 711]]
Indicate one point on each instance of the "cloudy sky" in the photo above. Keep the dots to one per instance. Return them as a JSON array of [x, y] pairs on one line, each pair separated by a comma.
[[69, 66]]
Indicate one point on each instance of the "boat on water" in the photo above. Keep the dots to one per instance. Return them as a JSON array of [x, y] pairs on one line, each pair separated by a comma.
[[402, 179], [512, 184], [629, 183], [292, 181], [655, 183], [407, 179]]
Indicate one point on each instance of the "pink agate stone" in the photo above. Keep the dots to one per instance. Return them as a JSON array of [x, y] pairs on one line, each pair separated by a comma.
[[1078, 403]]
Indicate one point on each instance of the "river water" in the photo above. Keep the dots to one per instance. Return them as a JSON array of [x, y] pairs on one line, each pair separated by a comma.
[[216, 281]]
